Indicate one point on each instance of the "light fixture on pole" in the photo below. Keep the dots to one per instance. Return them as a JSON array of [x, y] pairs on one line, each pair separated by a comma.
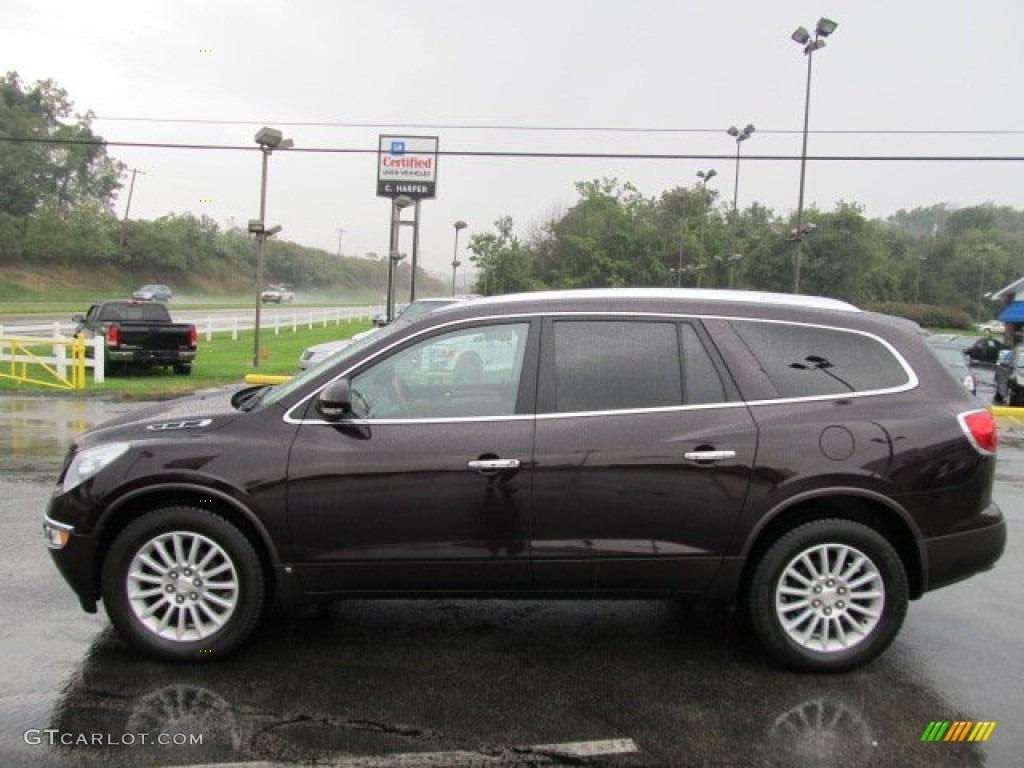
[[740, 137], [397, 204], [801, 36], [269, 139], [459, 226]]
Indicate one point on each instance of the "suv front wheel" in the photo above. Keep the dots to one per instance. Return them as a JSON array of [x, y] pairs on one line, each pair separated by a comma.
[[828, 596], [183, 583]]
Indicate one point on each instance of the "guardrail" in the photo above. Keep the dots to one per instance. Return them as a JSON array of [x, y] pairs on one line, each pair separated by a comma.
[[24, 359]]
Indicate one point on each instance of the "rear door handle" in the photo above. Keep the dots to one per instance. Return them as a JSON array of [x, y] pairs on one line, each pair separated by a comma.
[[492, 465], [709, 455]]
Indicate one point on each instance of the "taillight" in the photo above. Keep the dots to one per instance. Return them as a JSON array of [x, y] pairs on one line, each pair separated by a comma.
[[193, 336], [112, 335], [980, 428]]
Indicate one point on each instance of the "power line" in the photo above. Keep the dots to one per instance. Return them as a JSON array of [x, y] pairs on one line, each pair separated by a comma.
[[538, 155], [555, 128]]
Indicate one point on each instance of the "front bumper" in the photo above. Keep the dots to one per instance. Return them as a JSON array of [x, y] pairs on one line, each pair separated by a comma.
[[75, 557]]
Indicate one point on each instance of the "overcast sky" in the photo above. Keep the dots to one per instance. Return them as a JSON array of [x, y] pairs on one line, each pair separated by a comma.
[[946, 71]]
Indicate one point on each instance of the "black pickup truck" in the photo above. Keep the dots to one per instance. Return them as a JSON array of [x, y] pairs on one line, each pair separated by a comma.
[[140, 334]]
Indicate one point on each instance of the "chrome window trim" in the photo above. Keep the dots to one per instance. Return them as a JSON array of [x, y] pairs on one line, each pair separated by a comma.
[[912, 379]]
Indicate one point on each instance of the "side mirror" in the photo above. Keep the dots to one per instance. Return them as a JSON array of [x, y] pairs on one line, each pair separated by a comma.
[[78, 318], [335, 400]]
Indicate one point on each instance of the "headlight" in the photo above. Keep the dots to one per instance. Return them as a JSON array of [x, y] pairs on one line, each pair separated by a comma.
[[90, 461]]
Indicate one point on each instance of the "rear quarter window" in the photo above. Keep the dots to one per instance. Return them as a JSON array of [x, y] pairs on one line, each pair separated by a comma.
[[810, 360]]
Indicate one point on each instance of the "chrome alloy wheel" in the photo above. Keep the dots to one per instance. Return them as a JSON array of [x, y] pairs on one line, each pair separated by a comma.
[[182, 586], [829, 597]]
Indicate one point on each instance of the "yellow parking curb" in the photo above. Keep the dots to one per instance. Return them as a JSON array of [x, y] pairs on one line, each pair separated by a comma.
[[1006, 410], [265, 378]]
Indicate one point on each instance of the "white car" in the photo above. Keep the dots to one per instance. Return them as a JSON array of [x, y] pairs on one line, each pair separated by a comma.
[[314, 354], [277, 294]]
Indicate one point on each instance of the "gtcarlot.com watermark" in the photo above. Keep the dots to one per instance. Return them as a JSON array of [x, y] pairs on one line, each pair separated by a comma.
[[53, 737]]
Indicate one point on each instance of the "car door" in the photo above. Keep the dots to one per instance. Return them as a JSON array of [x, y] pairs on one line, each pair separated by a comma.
[[643, 456], [426, 485]]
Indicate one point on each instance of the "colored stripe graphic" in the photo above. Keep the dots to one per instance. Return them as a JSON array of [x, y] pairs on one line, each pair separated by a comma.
[[935, 731], [958, 730], [982, 730]]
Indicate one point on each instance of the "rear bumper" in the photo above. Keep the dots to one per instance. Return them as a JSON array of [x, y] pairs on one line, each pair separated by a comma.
[[151, 356], [961, 555]]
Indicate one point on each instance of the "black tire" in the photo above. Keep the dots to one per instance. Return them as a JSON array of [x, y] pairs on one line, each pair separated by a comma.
[[841, 615], [183, 369], [186, 567], [1013, 396]]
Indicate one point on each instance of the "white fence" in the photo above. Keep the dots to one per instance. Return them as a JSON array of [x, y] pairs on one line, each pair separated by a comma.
[[207, 323]]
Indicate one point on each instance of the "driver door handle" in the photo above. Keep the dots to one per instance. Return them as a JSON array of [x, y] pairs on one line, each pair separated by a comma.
[[490, 465], [709, 455]]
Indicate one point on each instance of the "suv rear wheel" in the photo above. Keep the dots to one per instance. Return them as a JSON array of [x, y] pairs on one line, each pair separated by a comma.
[[183, 583], [828, 596]]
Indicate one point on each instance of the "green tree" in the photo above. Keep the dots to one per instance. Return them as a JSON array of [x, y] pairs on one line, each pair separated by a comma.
[[502, 263], [47, 154]]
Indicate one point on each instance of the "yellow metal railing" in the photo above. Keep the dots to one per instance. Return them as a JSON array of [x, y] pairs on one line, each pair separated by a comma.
[[61, 370]]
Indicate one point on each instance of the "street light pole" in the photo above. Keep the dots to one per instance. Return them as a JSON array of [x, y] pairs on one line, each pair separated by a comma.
[[982, 251], [740, 137], [801, 36], [705, 177], [459, 226], [268, 139]]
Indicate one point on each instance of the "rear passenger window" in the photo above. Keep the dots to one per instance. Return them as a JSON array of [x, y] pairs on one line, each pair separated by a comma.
[[615, 365], [703, 384], [808, 361]]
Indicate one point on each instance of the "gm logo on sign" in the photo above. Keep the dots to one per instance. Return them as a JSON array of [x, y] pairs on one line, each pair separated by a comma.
[[397, 148], [958, 730]]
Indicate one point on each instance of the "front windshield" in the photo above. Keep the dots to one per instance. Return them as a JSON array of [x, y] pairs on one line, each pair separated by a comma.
[[279, 391], [420, 308]]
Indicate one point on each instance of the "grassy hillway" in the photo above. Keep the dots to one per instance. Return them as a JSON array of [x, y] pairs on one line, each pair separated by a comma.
[[56, 289]]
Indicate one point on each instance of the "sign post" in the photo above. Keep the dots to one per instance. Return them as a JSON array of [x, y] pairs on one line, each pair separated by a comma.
[[406, 167]]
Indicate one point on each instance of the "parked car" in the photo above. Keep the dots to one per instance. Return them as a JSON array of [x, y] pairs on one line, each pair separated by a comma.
[[982, 350], [153, 292], [811, 462], [958, 363], [409, 312], [277, 294], [1009, 376]]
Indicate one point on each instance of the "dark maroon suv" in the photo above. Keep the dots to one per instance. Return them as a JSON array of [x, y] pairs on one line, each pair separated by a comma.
[[811, 461]]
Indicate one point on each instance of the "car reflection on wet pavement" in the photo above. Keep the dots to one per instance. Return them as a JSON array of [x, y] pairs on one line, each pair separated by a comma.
[[485, 683]]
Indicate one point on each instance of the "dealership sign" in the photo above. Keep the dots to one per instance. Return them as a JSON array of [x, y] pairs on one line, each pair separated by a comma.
[[407, 165]]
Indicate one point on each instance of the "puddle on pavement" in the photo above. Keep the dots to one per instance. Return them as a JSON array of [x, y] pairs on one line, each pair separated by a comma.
[[35, 432]]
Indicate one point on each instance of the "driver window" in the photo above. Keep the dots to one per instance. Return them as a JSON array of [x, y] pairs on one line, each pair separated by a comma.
[[468, 373]]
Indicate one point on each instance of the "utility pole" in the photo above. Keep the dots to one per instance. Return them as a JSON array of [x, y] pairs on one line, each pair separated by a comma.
[[340, 233], [128, 207]]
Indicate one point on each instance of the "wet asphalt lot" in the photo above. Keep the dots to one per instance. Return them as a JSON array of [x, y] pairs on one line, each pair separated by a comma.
[[486, 683]]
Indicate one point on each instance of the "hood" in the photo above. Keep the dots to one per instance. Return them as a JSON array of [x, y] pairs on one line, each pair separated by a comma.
[[200, 412]]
